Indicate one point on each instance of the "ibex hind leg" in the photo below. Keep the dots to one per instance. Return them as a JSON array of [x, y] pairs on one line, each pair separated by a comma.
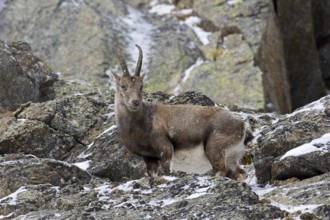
[[215, 152]]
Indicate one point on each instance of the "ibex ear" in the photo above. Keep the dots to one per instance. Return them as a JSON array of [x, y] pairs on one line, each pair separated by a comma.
[[117, 77]]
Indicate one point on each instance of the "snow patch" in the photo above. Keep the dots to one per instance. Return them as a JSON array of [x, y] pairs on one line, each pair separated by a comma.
[[161, 9], [126, 187], [11, 199], [323, 141], [202, 35], [170, 178], [162, 202], [83, 155], [204, 185], [140, 32], [103, 191], [83, 165], [234, 2], [183, 12], [198, 62], [108, 131], [292, 209], [72, 3], [251, 180], [317, 106]]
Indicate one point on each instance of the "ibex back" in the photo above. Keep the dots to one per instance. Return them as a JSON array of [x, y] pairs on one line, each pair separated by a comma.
[[156, 131]]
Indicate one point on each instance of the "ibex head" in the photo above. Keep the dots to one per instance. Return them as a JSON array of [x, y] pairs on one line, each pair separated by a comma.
[[129, 88]]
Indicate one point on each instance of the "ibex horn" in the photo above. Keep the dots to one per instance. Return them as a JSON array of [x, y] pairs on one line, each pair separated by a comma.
[[123, 64], [139, 62]]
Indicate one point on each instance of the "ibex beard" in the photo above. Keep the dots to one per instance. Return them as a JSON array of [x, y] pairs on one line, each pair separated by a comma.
[[155, 131]]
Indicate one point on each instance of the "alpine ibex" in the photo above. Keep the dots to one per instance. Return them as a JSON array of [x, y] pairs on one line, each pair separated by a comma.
[[156, 131]]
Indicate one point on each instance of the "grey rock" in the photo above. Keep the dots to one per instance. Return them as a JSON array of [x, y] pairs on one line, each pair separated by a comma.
[[309, 192], [177, 197], [248, 18], [108, 158], [27, 170], [303, 166], [34, 137], [290, 131], [192, 98], [24, 76], [217, 79], [75, 115]]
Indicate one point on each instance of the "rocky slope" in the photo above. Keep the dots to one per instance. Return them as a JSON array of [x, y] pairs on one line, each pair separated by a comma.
[[187, 46], [61, 158]]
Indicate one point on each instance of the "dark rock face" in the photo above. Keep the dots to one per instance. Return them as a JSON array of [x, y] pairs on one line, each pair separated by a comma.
[[301, 56], [275, 79], [321, 15], [24, 77], [295, 53]]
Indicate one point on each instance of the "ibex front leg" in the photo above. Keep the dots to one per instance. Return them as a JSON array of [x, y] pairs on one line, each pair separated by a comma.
[[152, 166], [165, 149]]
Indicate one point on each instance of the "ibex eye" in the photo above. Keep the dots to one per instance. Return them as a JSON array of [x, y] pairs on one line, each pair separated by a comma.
[[123, 86]]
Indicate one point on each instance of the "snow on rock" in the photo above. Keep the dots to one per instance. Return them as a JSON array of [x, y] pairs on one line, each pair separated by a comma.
[[140, 32], [192, 21], [317, 106], [161, 9], [202, 35], [83, 165], [11, 199], [198, 62], [319, 144]]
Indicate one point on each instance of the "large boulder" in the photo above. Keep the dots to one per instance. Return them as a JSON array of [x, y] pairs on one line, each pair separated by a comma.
[[24, 77], [304, 72], [291, 131], [106, 157], [294, 56], [34, 137], [25, 170]]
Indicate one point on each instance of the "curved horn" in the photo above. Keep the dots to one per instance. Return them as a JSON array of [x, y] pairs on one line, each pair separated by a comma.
[[139, 62], [123, 64]]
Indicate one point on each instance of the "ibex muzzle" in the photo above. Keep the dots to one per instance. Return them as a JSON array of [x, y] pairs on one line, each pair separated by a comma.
[[155, 132]]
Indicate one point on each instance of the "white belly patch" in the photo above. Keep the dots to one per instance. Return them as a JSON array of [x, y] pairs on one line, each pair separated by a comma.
[[192, 160]]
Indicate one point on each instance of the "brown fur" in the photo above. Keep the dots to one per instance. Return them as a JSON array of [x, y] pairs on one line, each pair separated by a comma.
[[155, 131]]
